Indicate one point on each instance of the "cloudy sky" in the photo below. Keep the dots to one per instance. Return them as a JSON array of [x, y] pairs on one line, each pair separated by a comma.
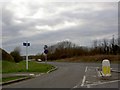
[[43, 23]]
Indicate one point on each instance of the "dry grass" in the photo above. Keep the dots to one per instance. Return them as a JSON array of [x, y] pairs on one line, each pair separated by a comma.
[[95, 58]]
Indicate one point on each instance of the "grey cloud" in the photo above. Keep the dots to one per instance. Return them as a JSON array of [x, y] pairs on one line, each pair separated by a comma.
[[96, 24]]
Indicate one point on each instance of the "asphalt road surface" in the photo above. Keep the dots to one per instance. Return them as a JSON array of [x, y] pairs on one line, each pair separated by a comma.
[[69, 75]]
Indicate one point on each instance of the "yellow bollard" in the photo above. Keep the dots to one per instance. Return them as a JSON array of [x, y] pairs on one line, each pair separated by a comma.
[[106, 68]]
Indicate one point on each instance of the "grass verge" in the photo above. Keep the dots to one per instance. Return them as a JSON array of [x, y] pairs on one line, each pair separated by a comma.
[[12, 67]]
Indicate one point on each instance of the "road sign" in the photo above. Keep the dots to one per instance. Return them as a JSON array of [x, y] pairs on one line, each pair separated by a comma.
[[46, 51], [106, 68], [26, 44], [45, 47]]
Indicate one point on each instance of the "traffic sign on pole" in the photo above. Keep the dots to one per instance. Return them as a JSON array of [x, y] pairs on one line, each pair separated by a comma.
[[26, 44], [45, 52]]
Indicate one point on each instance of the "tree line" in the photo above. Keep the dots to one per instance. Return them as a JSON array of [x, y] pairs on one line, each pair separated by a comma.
[[67, 49]]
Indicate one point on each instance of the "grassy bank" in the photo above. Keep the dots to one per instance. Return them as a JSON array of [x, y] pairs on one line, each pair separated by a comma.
[[94, 58], [11, 67]]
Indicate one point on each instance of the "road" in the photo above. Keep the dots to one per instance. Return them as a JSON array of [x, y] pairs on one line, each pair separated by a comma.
[[68, 75]]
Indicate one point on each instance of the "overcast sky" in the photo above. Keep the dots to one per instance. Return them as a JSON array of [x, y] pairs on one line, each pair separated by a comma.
[[43, 23]]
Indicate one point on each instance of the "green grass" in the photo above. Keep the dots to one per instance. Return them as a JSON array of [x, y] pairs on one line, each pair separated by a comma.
[[12, 78], [11, 67]]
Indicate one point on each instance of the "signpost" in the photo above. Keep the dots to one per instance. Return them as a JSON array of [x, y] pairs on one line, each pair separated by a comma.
[[45, 52], [26, 44]]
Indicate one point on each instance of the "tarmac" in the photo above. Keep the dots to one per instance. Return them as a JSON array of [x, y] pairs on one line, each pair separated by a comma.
[[69, 75], [26, 75]]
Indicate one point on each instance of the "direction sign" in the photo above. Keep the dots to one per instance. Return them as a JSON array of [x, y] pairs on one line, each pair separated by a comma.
[[45, 47], [46, 51], [26, 44]]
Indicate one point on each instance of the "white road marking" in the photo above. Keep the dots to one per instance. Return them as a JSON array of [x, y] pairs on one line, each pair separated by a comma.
[[83, 81], [77, 85], [84, 77], [98, 72], [97, 83], [88, 86]]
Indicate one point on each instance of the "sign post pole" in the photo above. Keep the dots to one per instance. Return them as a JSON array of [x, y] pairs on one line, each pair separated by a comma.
[[26, 57], [26, 44], [45, 58]]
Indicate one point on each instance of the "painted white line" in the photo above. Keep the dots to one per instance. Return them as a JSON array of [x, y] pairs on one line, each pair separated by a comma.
[[84, 77], [83, 81], [98, 72], [88, 86], [77, 85]]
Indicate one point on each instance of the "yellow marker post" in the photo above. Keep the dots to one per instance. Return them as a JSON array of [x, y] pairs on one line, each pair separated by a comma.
[[106, 68]]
